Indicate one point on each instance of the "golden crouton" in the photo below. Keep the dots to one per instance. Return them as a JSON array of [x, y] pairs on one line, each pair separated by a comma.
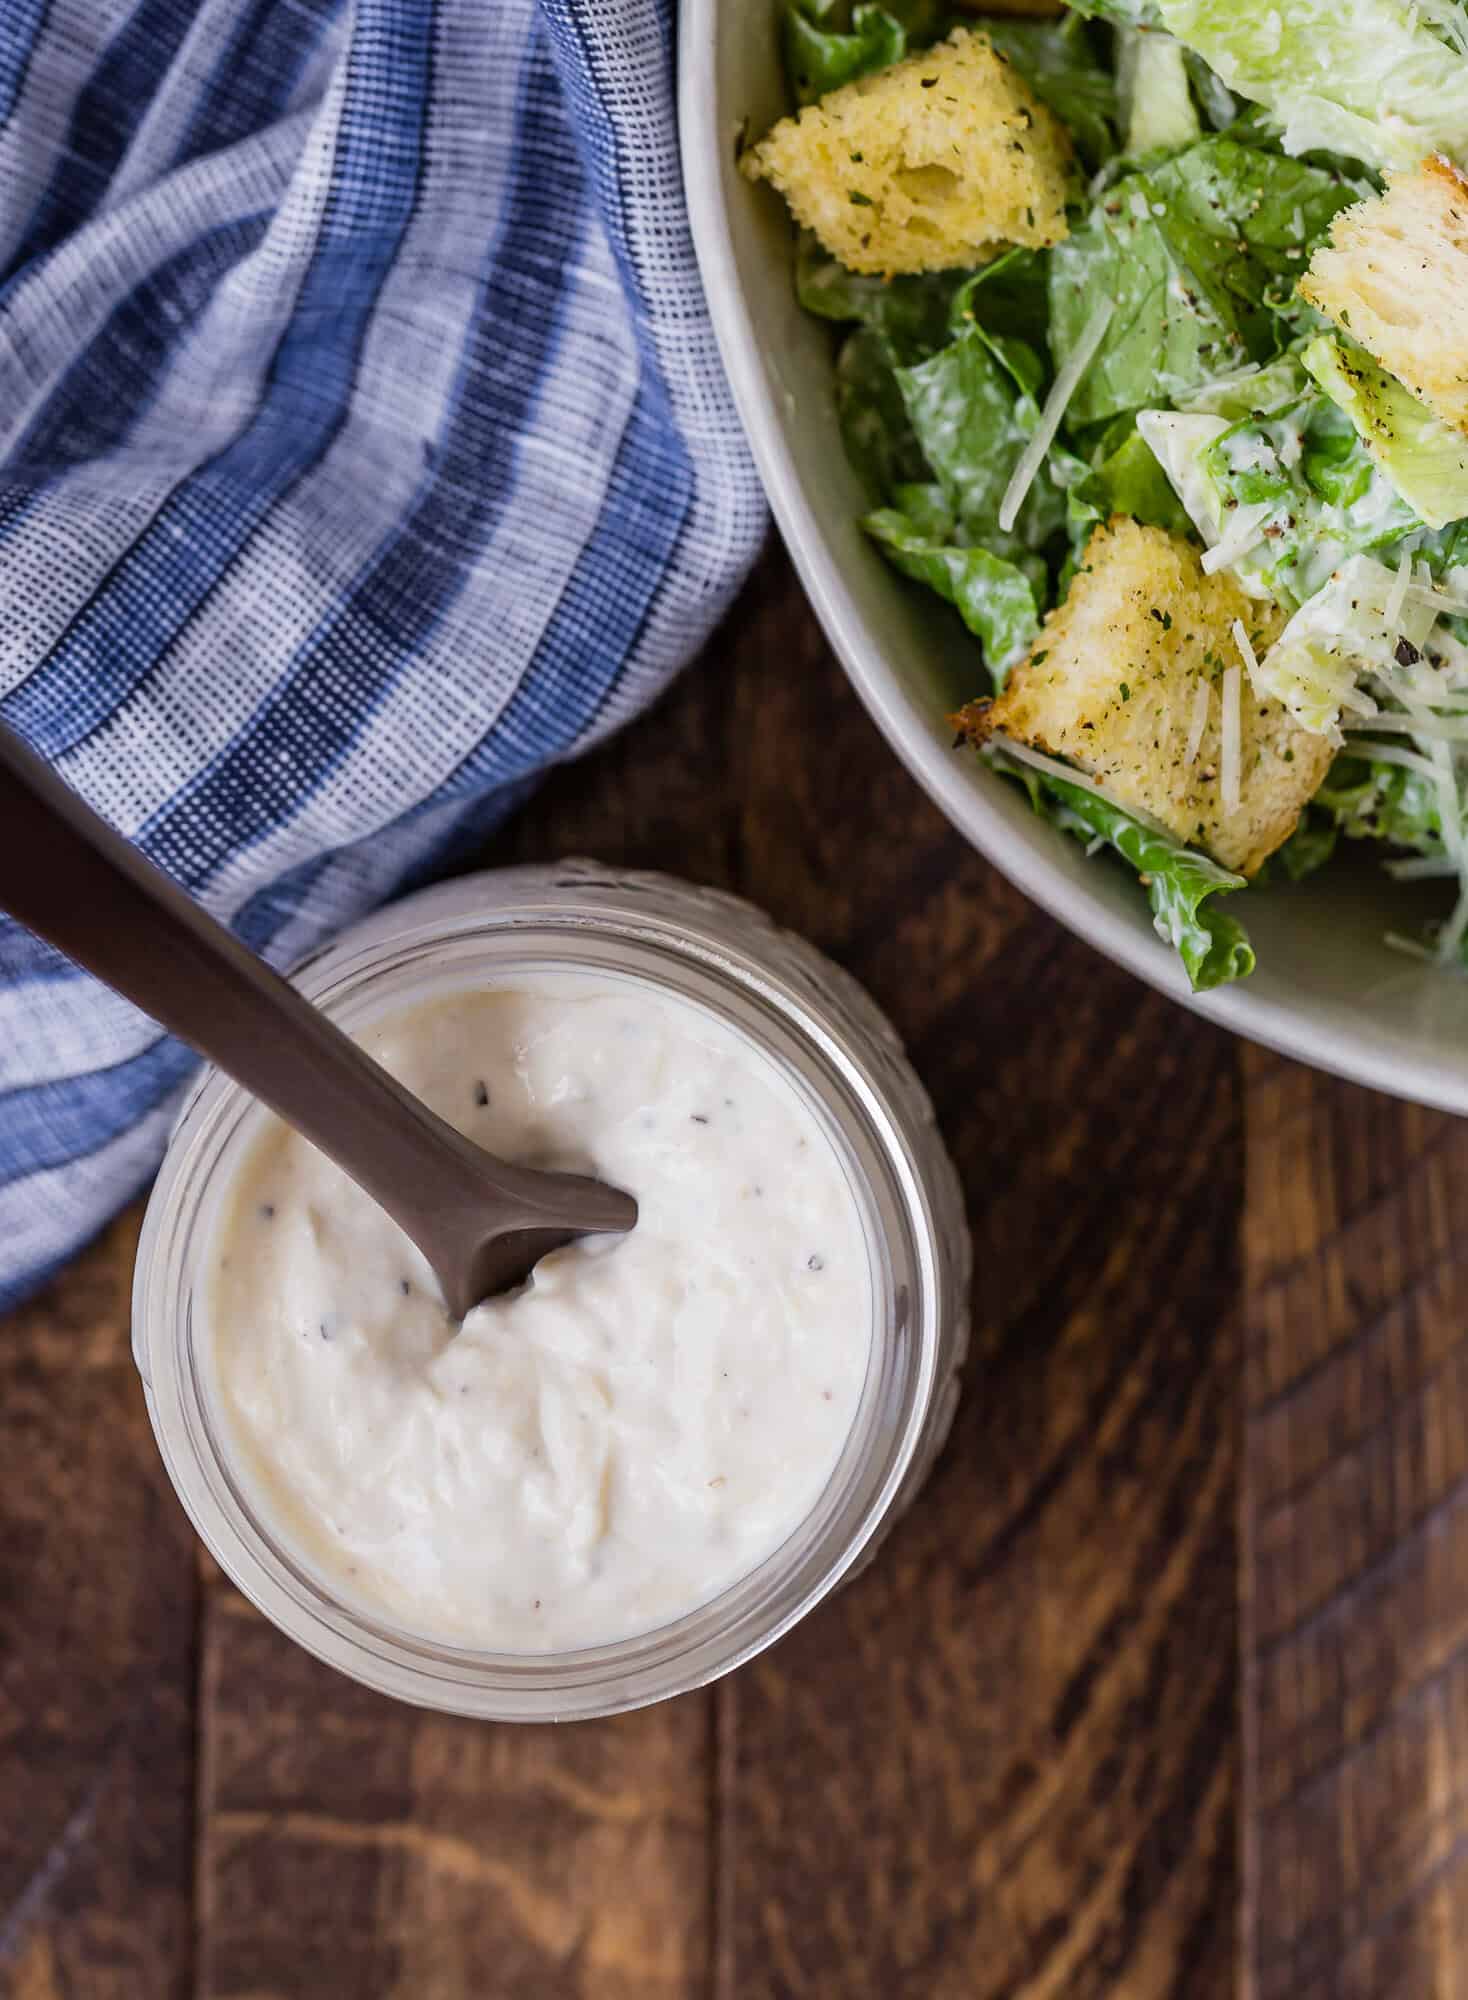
[[1112, 685], [1394, 275], [931, 165]]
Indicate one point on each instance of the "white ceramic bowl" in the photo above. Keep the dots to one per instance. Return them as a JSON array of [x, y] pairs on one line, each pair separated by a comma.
[[1328, 990]]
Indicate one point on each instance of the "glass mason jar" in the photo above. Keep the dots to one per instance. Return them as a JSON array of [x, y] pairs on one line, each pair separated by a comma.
[[817, 1027]]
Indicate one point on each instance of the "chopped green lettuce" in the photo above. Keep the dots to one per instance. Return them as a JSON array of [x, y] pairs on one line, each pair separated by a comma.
[[999, 601], [972, 409], [1179, 881], [819, 59], [1009, 298], [1351, 626], [831, 42], [1122, 477], [1425, 459], [911, 312], [1308, 848], [875, 430], [1129, 480], [1248, 391], [1064, 66], [1219, 106], [1200, 255], [1121, 13], [1290, 493], [1369, 800], [1372, 79], [1158, 113]]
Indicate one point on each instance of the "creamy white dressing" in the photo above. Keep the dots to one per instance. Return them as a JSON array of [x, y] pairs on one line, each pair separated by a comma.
[[608, 1449]]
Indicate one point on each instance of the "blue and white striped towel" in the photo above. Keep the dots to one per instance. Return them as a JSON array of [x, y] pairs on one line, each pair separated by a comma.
[[363, 450]]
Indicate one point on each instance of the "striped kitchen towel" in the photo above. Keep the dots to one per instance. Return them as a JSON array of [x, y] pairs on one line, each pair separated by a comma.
[[363, 451]]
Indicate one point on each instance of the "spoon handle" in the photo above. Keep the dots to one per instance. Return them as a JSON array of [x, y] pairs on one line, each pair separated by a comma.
[[73, 880]]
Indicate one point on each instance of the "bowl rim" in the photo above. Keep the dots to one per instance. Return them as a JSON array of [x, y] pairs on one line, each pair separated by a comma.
[[1276, 1023]]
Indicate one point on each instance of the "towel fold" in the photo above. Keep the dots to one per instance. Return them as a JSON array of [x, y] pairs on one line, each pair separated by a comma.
[[363, 451]]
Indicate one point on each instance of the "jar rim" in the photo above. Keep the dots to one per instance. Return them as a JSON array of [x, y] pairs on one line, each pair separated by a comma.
[[703, 943]]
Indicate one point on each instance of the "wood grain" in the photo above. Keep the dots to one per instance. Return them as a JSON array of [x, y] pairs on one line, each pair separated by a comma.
[[1001, 1764], [1356, 1583], [96, 1657], [1017, 1727], [352, 1847]]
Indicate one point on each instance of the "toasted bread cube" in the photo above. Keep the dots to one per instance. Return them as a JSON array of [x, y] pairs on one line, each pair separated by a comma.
[[1112, 685], [932, 165], [1394, 275]]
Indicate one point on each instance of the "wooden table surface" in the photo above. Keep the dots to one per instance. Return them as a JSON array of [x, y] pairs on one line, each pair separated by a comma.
[[1161, 1690]]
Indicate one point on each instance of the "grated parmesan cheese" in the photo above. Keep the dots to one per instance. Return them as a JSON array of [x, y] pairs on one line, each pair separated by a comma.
[[1229, 696], [1410, 760], [1053, 768], [1437, 728], [1052, 416], [1397, 596]]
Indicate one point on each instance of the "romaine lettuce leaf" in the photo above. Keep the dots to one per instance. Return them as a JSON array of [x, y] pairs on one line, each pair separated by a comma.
[[1308, 848], [1121, 13], [997, 600], [1179, 881], [875, 430], [972, 409], [831, 42], [1063, 65], [911, 312], [1425, 459], [1177, 439], [1249, 391], [1351, 626], [1129, 480], [1367, 78], [1219, 106], [819, 59], [1369, 800], [1158, 113], [1122, 477], [1009, 298], [1292, 489], [1201, 256]]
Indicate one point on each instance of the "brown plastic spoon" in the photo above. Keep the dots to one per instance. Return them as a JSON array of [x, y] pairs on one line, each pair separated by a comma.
[[69, 877]]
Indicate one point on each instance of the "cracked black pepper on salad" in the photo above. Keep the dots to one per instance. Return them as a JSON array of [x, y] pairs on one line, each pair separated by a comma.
[[1154, 358]]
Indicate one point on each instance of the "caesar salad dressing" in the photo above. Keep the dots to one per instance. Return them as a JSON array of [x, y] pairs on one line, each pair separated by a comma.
[[610, 1448]]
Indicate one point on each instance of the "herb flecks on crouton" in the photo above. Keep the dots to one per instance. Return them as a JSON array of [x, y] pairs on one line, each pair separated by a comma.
[[934, 164], [1394, 275], [1114, 685]]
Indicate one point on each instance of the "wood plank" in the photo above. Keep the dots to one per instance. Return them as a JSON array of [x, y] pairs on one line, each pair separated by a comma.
[[96, 1657], [354, 1847], [1002, 1762], [1356, 1522]]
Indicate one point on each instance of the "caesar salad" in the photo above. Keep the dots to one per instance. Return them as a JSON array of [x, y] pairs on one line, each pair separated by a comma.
[[1152, 352]]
